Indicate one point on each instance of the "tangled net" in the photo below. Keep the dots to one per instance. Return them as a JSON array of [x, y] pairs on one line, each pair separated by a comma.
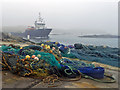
[[45, 61]]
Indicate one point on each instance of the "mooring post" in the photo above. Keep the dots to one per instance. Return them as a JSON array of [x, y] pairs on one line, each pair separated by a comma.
[[28, 37]]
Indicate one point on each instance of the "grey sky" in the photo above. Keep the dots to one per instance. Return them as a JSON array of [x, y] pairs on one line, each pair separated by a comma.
[[85, 16]]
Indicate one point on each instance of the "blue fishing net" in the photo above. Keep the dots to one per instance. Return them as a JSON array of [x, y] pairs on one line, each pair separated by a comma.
[[105, 55]]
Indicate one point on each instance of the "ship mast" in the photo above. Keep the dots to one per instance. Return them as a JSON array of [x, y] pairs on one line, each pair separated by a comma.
[[40, 19], [39, 16]]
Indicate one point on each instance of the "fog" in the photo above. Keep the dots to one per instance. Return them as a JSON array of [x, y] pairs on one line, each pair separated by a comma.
[[73, 16]]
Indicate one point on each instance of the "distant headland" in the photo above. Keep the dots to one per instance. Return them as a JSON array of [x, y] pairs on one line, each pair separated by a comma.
[[100, 36]]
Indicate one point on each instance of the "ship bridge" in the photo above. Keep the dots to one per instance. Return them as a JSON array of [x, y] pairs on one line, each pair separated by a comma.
[[40, 24]]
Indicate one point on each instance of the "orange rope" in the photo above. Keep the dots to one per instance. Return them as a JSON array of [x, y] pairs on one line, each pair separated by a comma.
[[6, 63]]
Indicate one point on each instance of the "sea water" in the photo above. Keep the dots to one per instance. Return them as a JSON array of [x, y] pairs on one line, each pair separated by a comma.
[[71, 39]]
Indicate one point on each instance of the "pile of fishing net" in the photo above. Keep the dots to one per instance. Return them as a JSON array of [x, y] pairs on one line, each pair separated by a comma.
[[30, 60], [44, 59], [102, 54]]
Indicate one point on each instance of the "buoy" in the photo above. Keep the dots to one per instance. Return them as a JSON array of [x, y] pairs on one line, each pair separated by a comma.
[[36, 58], [104, 46], [48, 47], [45, 45], [56, 42], [27, 57], [33, 56], [21, 47], [26, 65], [65, 47], [53, 48], [42, 45], [39, 56], [51, 51]]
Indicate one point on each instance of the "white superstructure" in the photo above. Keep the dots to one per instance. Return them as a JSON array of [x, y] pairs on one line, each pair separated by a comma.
[[40, 24]]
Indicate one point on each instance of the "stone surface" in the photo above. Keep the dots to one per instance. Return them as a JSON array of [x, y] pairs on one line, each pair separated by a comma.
[[14, 81]]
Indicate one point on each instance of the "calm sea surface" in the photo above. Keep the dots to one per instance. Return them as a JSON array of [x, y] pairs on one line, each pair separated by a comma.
[[70, 39]]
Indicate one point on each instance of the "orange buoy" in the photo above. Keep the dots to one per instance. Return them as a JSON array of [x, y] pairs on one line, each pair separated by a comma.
[[50, 51], [65, 47], [33, 56]]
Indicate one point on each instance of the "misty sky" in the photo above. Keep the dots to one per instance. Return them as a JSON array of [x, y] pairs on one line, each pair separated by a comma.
[[83, 16]]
